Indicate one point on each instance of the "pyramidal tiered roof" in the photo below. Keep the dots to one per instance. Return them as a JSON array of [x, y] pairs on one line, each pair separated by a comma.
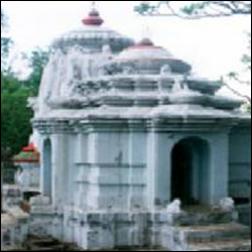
[[126, 79]]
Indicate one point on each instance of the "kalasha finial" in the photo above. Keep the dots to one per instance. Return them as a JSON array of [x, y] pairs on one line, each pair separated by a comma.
[[93, 4], [93, 16], [145, 42]]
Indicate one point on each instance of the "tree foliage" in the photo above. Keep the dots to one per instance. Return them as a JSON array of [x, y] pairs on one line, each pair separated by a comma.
[[194, 10], [6, 42], [37, 61], [15, 115], [239, 78]]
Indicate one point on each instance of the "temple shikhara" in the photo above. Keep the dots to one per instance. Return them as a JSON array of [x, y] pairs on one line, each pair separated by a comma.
[[136, 150]]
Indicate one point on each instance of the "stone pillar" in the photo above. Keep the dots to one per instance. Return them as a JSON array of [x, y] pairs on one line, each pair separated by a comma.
[[93, 177], [218, 167], [82, 170], [71, 169], [159, 169], [151, 168], [59, 168], [136, 173], [163, 170], [46, 173]]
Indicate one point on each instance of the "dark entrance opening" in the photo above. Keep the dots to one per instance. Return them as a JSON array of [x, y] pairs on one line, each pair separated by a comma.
[[190, 172], [181, 173], [47, 169]]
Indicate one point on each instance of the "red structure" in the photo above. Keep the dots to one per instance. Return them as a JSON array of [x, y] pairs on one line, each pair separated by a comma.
[[29, 154], [93, 18]]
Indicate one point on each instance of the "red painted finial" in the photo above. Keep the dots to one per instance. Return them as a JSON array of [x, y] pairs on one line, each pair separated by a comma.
[[145, 42], [93, 17]]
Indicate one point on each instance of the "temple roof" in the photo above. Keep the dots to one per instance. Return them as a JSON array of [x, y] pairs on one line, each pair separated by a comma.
[[143, 50], [93, 34], [146, 57], [29, 154], [88, 80]]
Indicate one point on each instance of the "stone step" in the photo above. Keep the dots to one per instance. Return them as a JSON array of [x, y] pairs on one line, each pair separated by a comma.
[[12, 248], [44, 244], [217, 232], [235, 245], [34, 243], [202, 219], [55, 248]]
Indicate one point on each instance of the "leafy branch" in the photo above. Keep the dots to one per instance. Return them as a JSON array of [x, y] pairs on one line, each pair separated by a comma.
[[195, 10]]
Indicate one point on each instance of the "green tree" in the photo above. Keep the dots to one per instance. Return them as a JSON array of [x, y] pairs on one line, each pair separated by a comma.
[[238, 76], [15, 116], [37, 61]]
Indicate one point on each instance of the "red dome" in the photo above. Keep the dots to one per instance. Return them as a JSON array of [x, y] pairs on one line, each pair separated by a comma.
[[93, 18], [30, 148], [145, 42], [29, 154]]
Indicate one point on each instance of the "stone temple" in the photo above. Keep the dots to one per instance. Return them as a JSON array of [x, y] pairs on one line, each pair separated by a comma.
[[129, 140]]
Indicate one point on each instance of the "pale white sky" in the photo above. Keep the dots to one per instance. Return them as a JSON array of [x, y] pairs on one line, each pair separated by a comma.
[[213, 46]]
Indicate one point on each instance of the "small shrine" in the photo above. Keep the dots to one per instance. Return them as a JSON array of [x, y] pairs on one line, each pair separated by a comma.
[[28, 174], [129, 137]]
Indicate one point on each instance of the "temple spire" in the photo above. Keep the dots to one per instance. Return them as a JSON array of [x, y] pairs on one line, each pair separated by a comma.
[[93, 17], [93, 5], [146, 32]]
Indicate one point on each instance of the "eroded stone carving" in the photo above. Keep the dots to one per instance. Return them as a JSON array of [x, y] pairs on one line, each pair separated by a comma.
[[227, 204], [165, 70], [128, 70], [174, 207], [40, 200], [106, 49]]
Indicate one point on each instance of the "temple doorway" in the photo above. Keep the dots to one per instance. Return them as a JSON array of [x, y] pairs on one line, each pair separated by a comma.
[[47, 169], [190, 171]]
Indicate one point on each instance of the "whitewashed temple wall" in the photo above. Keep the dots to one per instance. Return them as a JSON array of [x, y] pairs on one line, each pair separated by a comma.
[[137, 170], [240, 163], [214, 181], [130, 169], [55, 169], [110, 170]]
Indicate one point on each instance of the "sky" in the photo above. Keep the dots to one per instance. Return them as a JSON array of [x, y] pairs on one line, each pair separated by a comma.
[[214, 47]]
